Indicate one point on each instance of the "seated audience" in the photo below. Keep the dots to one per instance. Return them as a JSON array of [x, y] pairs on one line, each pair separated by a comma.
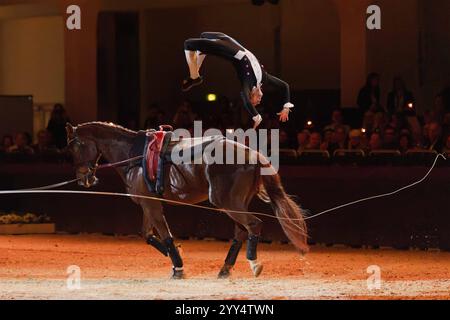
[[375, 142], [184, 117], [390, 139], [446, 125], [155, 117], [7, 142], [21, 144], [315, 141], [337, 120], [327, 138], [339, 140], [355, 140], [44, 143], [380, 122], [284, 140], [433, 139], [302, 140], [405, 143], [446, 149]]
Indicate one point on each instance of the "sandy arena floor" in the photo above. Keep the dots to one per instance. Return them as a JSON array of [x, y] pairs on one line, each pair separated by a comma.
[[34, 267]]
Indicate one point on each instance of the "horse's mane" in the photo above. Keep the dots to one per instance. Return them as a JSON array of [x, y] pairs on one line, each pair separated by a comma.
[[109, 125]]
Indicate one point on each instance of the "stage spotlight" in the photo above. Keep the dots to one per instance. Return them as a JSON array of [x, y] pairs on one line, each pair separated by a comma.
[[258, 2]]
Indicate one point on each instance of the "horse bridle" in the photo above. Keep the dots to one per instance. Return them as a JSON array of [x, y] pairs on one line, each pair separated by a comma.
[[91, 168]]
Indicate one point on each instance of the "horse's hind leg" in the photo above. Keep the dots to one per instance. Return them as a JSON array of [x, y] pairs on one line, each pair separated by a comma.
[[240, 234], [253, 226], [236, 194]]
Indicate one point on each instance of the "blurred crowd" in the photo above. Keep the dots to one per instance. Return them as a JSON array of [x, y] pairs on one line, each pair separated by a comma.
[[49, 141], [391, 126]]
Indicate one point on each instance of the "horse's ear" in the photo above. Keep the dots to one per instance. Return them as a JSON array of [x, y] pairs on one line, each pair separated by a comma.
[[70, 129]]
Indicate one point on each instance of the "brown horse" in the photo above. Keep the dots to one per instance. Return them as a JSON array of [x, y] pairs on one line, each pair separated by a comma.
[[230, 187]]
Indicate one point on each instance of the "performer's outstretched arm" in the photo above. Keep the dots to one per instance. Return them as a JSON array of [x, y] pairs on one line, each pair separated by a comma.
[[283, 87]]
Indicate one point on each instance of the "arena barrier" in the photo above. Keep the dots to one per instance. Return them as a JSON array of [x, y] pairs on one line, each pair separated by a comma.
[[418, 217]]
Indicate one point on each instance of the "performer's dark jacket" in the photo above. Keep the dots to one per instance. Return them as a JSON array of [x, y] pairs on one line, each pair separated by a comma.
[[250, 72]]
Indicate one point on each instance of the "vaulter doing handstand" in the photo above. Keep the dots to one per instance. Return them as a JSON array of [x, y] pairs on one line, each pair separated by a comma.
[[250, 72]]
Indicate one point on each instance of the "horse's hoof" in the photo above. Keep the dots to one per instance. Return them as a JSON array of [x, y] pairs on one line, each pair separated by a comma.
[[224, 272], [177, 274], [257, 269]]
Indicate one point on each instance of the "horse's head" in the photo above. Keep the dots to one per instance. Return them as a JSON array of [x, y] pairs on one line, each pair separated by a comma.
[[85, 155]]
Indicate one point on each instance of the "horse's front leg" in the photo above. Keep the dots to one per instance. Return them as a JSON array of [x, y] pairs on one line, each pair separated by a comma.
[[153, 214]]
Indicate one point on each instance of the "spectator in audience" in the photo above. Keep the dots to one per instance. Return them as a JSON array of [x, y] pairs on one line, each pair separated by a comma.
[[44, 143], [315, 141], [57, 126], [369, 95], [375, 142], [438, 107], [155, 117], [446, 149], [399, 98], [405, 143], [284, 140], [339, 140], [445, 93], [327, 138], [446, 125], [380, 122], [337, 120], [21, 144], [184, 117], [434, 137], [7, 142], [302, 140], [369, 122], [355, 141], [390, 139]]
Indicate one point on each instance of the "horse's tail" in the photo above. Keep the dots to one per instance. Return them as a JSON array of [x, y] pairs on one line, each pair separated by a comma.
[[289, 214]]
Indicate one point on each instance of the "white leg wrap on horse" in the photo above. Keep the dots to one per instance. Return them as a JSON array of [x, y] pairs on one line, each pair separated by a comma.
[[191, 59], [255, 266]]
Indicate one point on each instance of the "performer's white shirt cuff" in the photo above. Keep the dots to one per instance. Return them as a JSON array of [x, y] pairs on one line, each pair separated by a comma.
[[288, 105], [257, 119]]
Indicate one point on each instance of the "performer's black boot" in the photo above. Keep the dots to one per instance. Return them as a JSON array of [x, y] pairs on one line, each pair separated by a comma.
[[189, 83]]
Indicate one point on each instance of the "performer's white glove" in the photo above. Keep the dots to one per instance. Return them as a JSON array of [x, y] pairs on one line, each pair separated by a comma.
[[257, 119], [284, 114]]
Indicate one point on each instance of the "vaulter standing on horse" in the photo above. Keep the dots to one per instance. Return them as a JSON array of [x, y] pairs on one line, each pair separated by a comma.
[[250, 72]]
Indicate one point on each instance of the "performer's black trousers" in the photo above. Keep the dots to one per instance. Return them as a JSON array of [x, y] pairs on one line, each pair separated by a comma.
[[214, 43]]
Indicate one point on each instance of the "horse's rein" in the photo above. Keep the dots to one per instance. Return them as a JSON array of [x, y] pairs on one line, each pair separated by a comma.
[[118, 163]]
